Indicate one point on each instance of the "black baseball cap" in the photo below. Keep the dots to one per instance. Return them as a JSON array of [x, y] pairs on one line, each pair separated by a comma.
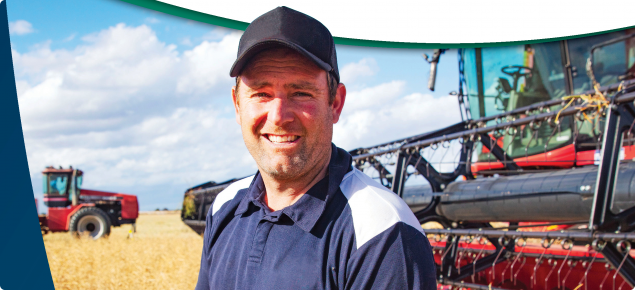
[[286, 27]]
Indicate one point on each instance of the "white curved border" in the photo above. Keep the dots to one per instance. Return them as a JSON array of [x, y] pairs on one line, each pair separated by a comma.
[[452, 21]]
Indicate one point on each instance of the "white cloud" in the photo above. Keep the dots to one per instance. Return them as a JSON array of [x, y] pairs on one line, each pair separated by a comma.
[[115, 71], [132, 112], [382, 113], [186, 41], [352, 72], [218, 33], [371, 97], [152, 20], [22, 86], [20, 27], [70, 37], [207, 65]]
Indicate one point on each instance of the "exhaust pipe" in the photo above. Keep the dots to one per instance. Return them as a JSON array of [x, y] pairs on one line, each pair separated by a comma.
[[434, 60]]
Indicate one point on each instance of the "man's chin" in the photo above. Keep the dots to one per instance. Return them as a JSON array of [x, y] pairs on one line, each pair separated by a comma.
[[284, 171]]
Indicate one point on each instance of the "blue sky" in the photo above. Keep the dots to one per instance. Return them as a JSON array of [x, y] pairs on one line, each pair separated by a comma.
[[140, 100]]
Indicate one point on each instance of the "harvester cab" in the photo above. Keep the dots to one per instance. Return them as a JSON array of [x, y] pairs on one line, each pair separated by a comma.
[[83, 211], [497, 82]]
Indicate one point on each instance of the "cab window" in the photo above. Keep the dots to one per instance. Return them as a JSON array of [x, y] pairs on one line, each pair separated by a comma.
[[502, 79], [57, 184], [612, 63], [512, 77]]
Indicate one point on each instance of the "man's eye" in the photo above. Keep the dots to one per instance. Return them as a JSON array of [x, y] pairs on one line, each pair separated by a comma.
[[302, 94], [262, 95]]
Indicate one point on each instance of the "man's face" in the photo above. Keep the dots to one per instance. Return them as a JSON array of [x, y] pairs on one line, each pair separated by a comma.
[[282, 106]]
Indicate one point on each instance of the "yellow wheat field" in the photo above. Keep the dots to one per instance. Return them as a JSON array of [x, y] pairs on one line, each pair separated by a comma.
[[163, 254]]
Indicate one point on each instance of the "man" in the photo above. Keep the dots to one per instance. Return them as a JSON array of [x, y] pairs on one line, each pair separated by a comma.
[[307, 219]]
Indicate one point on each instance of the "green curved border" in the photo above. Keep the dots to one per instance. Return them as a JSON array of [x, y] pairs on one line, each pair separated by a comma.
[[239, 25]]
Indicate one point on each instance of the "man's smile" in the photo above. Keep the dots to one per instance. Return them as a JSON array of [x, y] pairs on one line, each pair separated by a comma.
[[281, 139]]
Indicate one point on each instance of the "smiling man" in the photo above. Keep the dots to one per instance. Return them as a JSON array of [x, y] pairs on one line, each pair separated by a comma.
[[307, 219]]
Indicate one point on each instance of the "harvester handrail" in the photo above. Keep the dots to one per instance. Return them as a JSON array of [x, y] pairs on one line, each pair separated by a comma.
[[550, 103], [529, 108], [483, 130], [611, 41]]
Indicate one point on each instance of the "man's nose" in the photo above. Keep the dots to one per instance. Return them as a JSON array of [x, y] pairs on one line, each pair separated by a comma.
[[280, 111]]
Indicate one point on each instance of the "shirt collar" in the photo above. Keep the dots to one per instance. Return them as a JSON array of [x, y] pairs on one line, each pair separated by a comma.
[[309, 208]]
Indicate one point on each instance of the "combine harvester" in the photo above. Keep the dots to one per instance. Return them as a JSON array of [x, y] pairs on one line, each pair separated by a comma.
[[535, 188], [83, 211]]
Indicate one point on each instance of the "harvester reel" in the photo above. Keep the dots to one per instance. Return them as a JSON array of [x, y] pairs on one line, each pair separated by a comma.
[[91, 222]]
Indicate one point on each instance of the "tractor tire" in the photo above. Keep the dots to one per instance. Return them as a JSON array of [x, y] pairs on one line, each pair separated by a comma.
[[90, 222]]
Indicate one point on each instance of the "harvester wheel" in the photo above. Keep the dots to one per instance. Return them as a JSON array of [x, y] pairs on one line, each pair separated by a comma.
[[90, 221]]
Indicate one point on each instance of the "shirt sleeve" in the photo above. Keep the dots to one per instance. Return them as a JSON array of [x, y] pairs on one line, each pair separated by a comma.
[[203, 283], [398, 258]]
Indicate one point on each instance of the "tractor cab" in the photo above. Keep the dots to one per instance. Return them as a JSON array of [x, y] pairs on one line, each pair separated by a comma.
[[502, 79], [61, 186]]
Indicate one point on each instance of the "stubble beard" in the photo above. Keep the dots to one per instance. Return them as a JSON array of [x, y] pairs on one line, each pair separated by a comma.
[[292, 167]]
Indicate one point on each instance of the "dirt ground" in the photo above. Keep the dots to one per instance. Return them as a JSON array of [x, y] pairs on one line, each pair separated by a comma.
[[163, 254]]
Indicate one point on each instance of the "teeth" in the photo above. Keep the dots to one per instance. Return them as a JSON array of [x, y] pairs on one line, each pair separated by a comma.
[[281, 139]]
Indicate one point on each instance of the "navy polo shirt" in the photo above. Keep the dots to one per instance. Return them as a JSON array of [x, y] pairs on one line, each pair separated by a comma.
[[346, 232]]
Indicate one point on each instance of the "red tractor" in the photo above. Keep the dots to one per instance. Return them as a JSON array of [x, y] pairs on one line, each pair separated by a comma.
[[83, 211]]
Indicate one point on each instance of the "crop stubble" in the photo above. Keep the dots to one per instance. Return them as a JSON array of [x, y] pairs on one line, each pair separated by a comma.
[[163, 254]]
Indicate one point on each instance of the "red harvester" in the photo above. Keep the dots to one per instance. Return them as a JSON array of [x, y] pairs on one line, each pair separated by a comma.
[[535, 188]]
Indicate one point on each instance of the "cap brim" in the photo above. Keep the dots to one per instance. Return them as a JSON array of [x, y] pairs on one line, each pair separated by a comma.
[[244, 58]]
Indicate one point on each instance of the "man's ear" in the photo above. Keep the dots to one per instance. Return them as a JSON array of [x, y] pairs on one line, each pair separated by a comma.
[[236, 107], [338, 102]]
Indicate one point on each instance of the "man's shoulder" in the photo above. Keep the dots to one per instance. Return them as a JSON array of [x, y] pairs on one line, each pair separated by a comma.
[[230, 192], [374, 209]]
